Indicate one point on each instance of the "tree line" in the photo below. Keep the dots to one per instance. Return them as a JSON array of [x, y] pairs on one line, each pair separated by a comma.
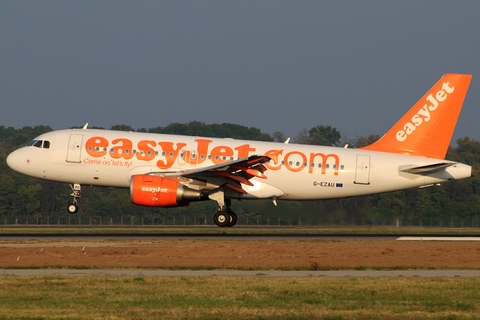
[[455, 203]]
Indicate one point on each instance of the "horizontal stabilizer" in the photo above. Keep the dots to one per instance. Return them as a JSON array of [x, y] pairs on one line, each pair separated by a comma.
[[431, 168]]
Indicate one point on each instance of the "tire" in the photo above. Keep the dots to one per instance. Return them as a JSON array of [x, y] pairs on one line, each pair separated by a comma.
[[221, 218], [72, 208], [233, 219]]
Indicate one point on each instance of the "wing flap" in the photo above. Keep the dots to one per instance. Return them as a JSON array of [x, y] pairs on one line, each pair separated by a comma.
[[228, 174], [233, 177], [239, 171]]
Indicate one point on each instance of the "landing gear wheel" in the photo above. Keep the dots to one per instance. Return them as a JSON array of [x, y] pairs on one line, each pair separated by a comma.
[[72, 208], [76, 194], [233, 219], [222, 218]]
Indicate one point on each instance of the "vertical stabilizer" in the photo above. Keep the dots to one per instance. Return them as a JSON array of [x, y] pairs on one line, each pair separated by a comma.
[[426, 130]]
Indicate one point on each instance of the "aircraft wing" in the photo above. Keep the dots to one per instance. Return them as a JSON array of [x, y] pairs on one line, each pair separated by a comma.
[[231, 174]]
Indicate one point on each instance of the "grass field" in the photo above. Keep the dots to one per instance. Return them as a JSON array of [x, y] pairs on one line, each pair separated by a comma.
[[327, 230], [82, 297]]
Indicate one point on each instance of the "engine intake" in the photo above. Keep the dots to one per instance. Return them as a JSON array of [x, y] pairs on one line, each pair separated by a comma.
[[153, 191]]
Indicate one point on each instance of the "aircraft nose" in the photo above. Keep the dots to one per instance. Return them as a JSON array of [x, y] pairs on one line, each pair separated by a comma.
[[12, 160]]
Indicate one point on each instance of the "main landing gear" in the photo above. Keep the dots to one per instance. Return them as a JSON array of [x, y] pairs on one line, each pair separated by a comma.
[[76, 194], [225, 217]]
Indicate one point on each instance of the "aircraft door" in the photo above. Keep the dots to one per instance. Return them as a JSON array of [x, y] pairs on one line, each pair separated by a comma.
[[74, 148], [362, 173]]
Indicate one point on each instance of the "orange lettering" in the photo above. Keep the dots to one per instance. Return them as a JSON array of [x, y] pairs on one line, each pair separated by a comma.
[[148, 153], [300, 168], [123, 151], [95, 146], [221, 152], [324, 162], [243, 151], [201, 155], [274, 155], [170, 154]]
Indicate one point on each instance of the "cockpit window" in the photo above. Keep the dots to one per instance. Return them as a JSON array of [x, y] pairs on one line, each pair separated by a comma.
[[38, 144]]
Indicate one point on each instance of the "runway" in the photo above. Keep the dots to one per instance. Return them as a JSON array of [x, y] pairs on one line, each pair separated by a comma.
[[235, 250], [186, 236], [250, 236], [253, 274]]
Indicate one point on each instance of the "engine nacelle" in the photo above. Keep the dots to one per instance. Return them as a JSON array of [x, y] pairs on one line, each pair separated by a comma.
[[153, 191]]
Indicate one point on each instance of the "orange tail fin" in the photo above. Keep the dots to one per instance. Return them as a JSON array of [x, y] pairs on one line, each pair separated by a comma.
[[426, 130]]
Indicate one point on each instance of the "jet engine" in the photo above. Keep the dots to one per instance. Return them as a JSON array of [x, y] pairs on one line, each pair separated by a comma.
[[153, 191]]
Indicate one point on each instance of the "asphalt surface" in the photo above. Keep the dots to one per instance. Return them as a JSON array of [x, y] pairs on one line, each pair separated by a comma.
[[255, 274], [180, 236]]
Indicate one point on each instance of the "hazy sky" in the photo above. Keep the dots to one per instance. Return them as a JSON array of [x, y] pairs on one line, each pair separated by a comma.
[[275, 65]]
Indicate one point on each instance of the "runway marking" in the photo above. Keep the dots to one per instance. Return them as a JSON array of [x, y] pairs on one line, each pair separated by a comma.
[[439, 238]]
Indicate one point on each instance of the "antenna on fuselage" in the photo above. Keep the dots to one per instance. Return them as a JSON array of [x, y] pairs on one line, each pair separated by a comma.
[[85, 126]]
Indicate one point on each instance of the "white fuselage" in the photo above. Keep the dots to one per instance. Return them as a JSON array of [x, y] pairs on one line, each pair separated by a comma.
[[301, 172]]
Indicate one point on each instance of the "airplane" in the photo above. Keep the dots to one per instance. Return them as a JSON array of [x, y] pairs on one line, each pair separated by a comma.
[[172, 170]]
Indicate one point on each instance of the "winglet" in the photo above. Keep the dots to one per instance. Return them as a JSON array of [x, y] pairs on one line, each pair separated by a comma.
[[426, 130]]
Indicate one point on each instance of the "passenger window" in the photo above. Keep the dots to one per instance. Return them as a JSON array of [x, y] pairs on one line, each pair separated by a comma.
[[46, 144]]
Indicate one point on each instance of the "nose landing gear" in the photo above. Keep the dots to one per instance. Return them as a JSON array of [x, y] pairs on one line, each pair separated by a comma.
[[76, 194]]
